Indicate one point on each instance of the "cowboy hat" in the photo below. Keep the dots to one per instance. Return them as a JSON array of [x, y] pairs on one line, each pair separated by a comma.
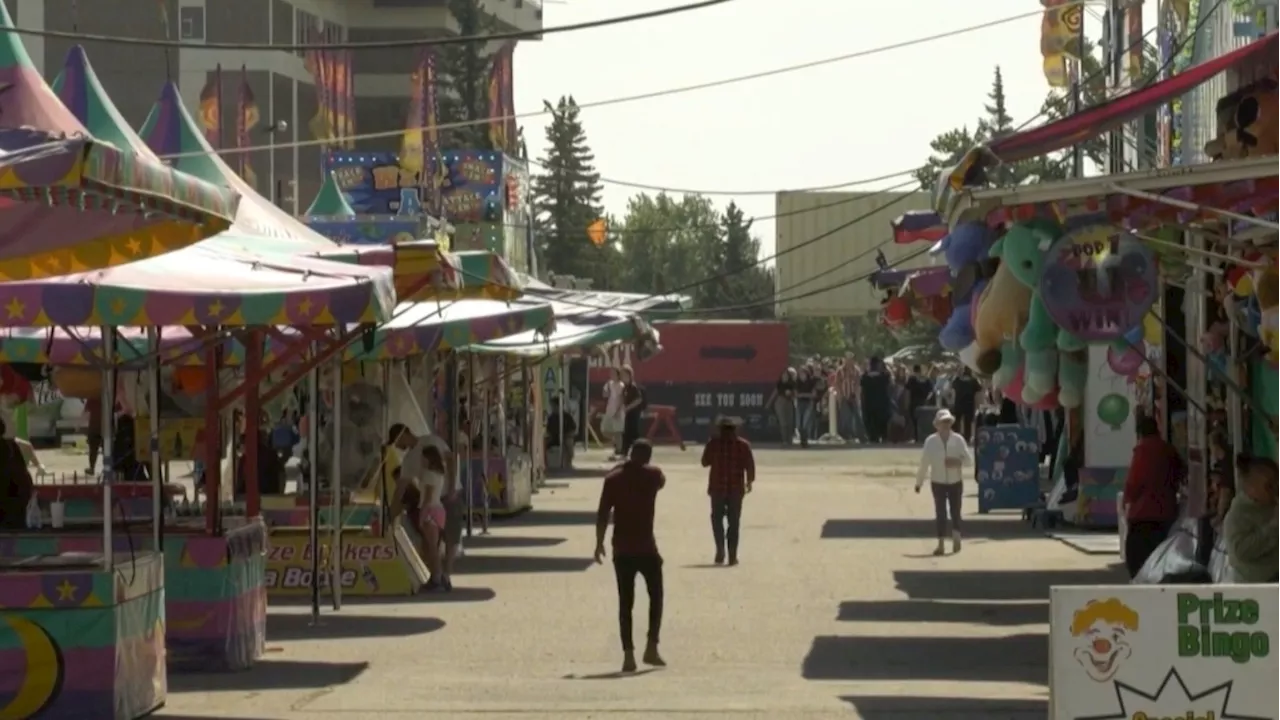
[[943, 416], [728, 421]]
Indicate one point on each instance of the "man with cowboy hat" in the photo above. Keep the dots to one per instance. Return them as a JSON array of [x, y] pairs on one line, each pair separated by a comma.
[[942, 460], [731, 475]]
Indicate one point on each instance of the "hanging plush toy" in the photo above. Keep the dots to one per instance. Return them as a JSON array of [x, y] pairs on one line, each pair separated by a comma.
[[1265, 284], [999, 314], [965, 249], [1247, 124]]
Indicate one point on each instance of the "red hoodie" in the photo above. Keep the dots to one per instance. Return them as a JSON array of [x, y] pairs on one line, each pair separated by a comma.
[[1151, 489]]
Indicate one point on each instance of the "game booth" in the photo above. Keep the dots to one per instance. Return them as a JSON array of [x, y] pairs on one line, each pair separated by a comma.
[[1139, 291]]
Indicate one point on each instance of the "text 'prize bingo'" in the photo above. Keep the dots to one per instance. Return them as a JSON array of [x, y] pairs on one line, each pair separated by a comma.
[[1199, 652]]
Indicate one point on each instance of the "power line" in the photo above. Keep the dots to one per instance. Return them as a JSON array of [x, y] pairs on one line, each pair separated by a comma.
[[370, 45], [631, 98]]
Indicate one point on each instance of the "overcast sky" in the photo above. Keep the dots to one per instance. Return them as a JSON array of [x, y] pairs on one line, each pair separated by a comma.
[[855, 119]]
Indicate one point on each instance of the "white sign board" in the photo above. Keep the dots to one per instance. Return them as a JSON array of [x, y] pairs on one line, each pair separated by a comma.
[[1152, 652]]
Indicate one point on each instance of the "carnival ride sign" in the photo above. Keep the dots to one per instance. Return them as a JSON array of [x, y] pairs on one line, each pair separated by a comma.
[[1099, 282], [1190, 652]]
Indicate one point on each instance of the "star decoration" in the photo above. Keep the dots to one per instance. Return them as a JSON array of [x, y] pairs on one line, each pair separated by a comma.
[[1173, 699], [304, 306], [215, 309], [495, 486], [117, 306], [133, 246], [17, 309], [66, 591]]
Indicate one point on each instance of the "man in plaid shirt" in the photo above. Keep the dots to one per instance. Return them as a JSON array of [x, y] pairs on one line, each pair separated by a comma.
[[732, 473]]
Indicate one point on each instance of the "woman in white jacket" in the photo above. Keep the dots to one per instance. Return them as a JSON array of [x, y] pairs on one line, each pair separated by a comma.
[[942, 460]]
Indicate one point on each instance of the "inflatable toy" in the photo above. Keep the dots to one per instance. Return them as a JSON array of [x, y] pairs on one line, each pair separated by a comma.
[[965, 249], [999, 315]]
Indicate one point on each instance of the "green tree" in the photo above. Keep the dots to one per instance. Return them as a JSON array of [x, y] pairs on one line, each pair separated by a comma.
[[947, 149], [668, 243], [567, 198], [464, 78], [746, 282], [817, 336]]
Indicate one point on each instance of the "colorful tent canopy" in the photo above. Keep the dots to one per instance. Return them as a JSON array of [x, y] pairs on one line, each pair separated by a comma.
[[485, 274], [581, 305], [171, 133], [329, 202], [410, 261], [69, 203], [204, 286], [568, 337], [440, 326]]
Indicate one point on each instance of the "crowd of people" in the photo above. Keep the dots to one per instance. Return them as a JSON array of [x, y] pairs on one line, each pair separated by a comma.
[[876, 402]]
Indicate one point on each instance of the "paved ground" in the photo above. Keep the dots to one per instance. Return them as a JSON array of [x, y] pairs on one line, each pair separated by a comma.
[[838, 610]]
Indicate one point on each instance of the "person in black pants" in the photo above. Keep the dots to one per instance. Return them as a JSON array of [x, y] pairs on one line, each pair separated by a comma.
[[875, 385], [965, 389], [919, 388], [633, 405], [630, 495]]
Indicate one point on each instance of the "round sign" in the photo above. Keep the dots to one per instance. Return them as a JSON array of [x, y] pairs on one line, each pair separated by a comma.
[[1099, 282]]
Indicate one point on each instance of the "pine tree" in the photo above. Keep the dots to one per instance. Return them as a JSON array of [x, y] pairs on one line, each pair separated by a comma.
[[464, 79], [750, 282], [998, 122], [567, 198]]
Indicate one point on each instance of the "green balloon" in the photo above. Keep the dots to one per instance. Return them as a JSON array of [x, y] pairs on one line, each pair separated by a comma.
[[1113, 410]]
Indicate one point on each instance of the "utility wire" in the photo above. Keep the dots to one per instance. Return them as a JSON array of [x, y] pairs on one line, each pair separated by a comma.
[[634, 98], [370, 45]]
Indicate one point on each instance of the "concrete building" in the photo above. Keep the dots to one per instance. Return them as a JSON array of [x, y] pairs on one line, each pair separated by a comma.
[[281, 85], [805, 265]]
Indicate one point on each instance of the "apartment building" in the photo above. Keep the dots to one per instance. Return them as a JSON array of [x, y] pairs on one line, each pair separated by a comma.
[[280, 83]]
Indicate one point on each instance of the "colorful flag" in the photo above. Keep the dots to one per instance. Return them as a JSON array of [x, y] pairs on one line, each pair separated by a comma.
[[412, 148], [432, 160], [499, 78], [247, 117], [1060, 39], [211, 108], [509, 99], [350, 129], [338, 94]]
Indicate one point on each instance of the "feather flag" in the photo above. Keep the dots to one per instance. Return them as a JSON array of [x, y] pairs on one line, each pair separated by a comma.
[[509, 100], [432, 160], [338, 95], [350, 94], [412, 148], [499, 77], [247, 117], [1060, 39], [211, 108]]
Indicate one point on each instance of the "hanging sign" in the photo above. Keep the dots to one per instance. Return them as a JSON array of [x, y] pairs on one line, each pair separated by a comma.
[[1099, 282], [1151, 652]]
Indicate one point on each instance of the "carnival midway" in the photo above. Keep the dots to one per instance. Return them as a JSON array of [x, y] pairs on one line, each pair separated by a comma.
[[303, 362]]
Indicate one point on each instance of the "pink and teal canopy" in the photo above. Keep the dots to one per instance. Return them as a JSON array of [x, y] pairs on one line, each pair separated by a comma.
[[70, 203]]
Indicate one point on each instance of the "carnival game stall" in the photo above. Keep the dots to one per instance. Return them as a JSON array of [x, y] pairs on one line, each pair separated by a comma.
[[332, 216]]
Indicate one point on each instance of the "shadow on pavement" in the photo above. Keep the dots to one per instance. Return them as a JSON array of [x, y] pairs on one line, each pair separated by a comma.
[[991, 528], [1014, 658], [579, 473], [926, 611], [995, 584], [459, 594], [615, 675], [483, 542], [946, 708], [500, 564], [547, 518], [271, 675], [342, 625]]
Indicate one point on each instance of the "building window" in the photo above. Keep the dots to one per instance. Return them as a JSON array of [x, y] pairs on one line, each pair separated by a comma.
[[191, 23]]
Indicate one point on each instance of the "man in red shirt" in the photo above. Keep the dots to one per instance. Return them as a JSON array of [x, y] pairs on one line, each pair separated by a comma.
[[732, 473], [1150, 493], [630, 494]]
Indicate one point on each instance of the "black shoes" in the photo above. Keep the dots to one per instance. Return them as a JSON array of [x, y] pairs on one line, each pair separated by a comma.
[[719, 557]]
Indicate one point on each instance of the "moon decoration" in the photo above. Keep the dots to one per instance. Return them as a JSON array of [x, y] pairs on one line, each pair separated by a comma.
[[43, 680]]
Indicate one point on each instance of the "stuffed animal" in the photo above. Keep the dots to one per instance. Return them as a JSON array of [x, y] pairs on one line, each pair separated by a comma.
[[1247, 125], [999, 314], [965, 249], [1265, 283]]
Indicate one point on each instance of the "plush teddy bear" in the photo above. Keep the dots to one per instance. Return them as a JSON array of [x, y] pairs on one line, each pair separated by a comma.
[[965, 249], [999, 314]]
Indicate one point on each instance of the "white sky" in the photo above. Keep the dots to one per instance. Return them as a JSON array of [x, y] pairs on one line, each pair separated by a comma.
[[855, 119]]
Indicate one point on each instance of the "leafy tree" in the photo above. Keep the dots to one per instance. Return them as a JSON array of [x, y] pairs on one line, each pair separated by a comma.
[[464, 78], [567, 198], [739, 254], [668, 243], [817, 336], [947, 148]]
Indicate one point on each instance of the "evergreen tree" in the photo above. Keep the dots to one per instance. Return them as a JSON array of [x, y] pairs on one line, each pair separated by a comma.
[[947, 148], [997, 123], [464, 79], [750, 282], [567, 198]]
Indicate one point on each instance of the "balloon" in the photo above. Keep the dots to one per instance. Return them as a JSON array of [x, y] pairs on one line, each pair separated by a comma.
[[1152, 330], [1113, 409], [1125, 362], [1133, 335]]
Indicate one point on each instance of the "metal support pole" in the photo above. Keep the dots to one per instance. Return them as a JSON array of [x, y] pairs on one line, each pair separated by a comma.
[[108, 444], [485, 445], [563, 404], [313, 483], [471, 429], [428, 403], [335, 488], [384, 504], [153, 442]]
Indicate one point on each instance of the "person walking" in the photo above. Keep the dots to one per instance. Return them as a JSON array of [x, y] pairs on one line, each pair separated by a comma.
[[732, 474], [630, 495], [783, 402], [876, 386], [965, 390], [806, 385], [1156, 470], [611, 423], [942, 460], [633, 406]]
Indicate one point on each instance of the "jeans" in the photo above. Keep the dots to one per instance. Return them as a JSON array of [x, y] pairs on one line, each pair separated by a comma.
[[804, 420], [726, 514], [946, 497], [851, 420], [630, 431], [1143, 539], [785, 409], [626, 567]]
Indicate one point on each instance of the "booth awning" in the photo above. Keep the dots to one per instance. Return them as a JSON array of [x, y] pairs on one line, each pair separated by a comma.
[[568, 337]]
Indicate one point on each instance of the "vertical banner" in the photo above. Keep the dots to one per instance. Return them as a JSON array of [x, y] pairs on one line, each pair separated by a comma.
[[432, 161], [247, 117], [509, 98], [349, 130], [499, 71], [211, 109], [412, 147], [338, 58], [1060, 39]]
